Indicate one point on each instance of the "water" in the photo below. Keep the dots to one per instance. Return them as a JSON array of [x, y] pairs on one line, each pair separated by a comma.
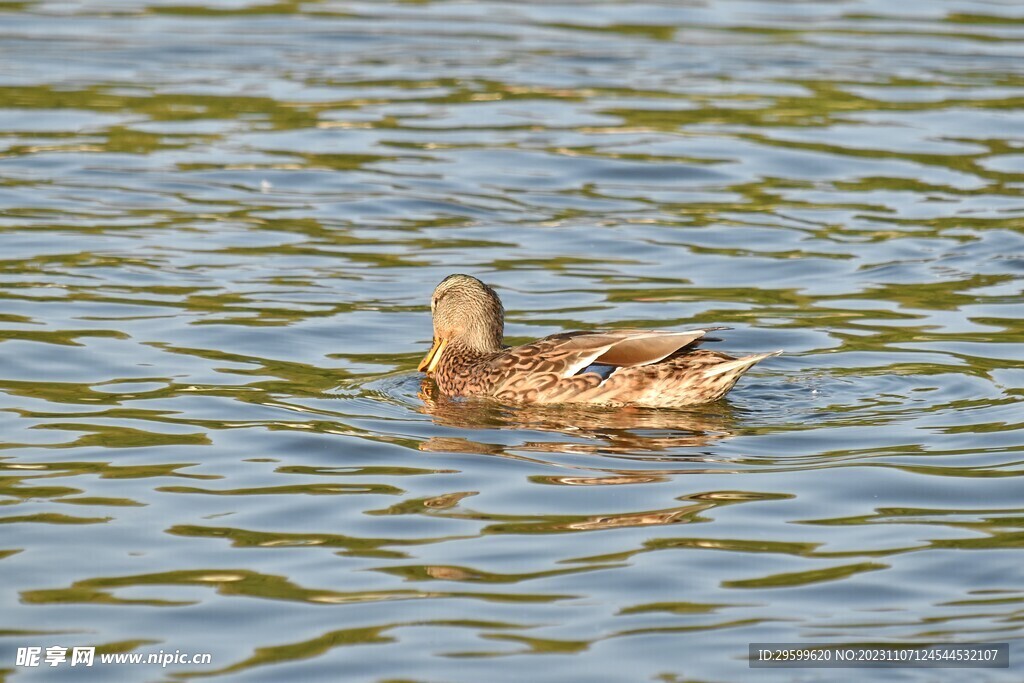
[[221, 225]]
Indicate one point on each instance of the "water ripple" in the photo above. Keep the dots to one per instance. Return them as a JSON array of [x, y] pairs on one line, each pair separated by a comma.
[[221, 225]]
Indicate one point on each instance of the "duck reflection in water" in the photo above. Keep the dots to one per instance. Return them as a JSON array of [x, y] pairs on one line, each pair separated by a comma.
[[577, 428]]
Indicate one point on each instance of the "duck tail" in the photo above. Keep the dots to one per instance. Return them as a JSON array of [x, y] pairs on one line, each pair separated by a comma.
[[740, 365]]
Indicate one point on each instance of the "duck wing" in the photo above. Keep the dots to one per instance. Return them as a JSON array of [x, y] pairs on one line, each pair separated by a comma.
[[546, 361]]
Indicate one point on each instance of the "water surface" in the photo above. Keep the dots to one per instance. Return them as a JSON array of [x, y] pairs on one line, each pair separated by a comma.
[[220, 227]]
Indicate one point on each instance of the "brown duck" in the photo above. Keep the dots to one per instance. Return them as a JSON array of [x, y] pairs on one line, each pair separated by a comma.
[[615, 367]]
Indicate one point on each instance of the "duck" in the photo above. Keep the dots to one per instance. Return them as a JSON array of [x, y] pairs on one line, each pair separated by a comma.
[[616, 367]]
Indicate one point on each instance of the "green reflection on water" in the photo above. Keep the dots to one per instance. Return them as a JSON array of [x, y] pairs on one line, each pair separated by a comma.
[[306, 489], [790, 579], [350, 545], [245, 583], [119, 437], [159, 106], [304, 650], [53, 518], [467, 574], [107, 470], [674, 608]]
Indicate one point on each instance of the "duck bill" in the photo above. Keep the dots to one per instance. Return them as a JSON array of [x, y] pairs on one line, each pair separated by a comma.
[[430, 360]]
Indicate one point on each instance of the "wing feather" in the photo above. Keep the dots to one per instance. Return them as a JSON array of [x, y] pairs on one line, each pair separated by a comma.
[[564, 355], [646, 348]]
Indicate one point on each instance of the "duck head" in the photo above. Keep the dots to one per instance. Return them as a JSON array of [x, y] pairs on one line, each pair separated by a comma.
[[468, 315]]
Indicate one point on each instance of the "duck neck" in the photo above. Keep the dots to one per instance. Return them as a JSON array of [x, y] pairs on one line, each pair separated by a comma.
[[461, 353], [479, 340], [456, 368]]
